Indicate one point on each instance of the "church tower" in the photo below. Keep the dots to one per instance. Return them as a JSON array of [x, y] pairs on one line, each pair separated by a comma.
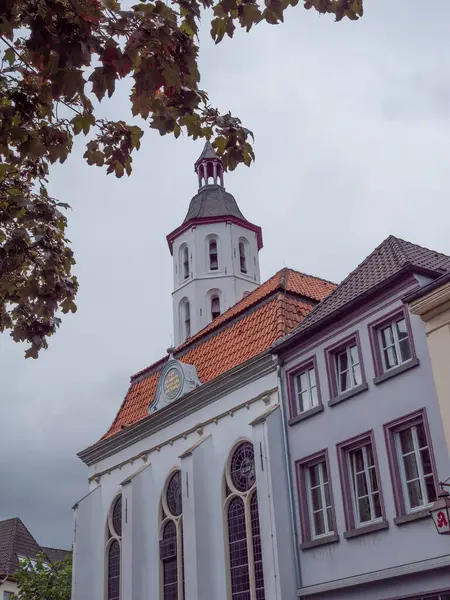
[[215, 252]]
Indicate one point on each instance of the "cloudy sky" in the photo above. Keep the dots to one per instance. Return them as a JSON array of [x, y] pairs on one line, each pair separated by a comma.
[[352, 141]]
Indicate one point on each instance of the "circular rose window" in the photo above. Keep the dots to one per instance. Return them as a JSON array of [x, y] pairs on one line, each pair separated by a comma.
[[242, 469]]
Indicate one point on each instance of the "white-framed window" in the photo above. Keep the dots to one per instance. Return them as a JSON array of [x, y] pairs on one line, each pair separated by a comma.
[[245, 565], [187, 319], [348, 368], [243, 254], [364, 485], [184, 260], [213, 255], [306, 393], [215, 307], [394, 342], [415, 467], [319, 500]]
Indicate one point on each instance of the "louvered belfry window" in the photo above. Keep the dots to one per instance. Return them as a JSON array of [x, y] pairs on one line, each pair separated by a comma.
[[244, 539], [113, 549], [171, 540]]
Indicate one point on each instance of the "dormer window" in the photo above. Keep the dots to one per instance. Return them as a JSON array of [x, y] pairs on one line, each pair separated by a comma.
[[213, 257], [185, 258], [243, 256], [215, 307]]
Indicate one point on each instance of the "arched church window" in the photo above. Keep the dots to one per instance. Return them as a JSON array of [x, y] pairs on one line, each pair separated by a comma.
[[215, 307], [213, 255], [113, 549], [187, 320], [185, 256], [243, 256], [171, 540], [244, 539]]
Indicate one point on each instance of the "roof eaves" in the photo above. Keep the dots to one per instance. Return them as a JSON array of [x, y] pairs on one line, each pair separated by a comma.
[[293, 338]]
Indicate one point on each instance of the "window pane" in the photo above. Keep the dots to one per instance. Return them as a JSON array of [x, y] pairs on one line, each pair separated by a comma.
[[426, 461], [319, 524], [314, 475], [411, 470], [257, 554], [390, 357], [369, 455], [358, 459], [114, 571], [402, 331], [239, 571], [312, 377], [387, 337], [354, 355], [373, 480], [406, 441], [364, 510], [431, 488], [405, 350], [330, 519], [377, 505], [326, 488], [361, 484], [302, 402], [303, 381], [344, 383], [342, 361], [415, 494], [316, 498], [421, 435], [314, 397], [357, 379]]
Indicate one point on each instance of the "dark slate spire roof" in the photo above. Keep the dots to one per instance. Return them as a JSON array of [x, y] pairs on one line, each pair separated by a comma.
[[213, 201], [208, 153], [16, 541], [389, 259]]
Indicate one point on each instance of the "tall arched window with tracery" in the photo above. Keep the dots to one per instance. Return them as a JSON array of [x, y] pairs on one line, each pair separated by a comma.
[[246, 577], [171, 540], [113, 550]]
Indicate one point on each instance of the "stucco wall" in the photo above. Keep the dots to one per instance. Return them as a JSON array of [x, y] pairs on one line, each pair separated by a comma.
[[370, 410], [202, 466]]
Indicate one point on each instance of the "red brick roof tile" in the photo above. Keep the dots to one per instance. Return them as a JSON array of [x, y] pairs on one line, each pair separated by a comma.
[[247, 329]]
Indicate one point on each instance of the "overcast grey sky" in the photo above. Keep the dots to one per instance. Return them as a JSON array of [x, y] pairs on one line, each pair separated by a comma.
[[352, 143]]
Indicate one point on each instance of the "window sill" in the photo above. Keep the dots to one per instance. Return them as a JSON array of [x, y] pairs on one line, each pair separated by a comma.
[[366, 529], [349, 394], [329, 539], [397, 371], [306, 414], [414, 516]]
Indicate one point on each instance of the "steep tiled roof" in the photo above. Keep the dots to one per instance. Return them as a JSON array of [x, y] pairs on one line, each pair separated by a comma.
[[244, 331], [16, 541], [391, 257]]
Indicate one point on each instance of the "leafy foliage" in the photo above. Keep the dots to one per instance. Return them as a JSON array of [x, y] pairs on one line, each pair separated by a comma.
[[42, 581], [66, 52]]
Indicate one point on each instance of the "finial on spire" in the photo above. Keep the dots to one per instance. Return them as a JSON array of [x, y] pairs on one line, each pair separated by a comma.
[[209, 167]]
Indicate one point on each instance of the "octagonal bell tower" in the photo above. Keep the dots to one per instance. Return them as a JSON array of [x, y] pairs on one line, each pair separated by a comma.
[[215, 252]]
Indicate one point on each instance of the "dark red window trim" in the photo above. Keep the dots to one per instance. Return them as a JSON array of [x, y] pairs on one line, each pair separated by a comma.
[[343, 448], [300, 470], [290, 379], [330, 354], [374, 328], [390, 429]]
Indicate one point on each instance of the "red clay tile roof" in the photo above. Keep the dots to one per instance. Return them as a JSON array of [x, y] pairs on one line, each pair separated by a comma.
[[391, 257], [247, 329]]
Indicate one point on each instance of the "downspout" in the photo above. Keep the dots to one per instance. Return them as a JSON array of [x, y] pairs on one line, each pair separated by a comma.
[[298, 573]]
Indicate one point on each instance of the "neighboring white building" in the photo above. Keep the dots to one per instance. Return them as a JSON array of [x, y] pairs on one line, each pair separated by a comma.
[[188, 493]]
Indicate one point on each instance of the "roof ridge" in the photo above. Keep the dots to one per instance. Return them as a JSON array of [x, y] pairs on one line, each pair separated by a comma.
[[309, 275], [398, 250], [399, 239]]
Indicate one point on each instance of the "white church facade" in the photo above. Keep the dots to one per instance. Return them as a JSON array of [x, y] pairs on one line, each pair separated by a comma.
[[189, 490]]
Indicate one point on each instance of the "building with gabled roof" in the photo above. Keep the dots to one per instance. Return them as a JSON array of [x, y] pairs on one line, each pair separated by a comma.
[[16, 544], [365, 435]]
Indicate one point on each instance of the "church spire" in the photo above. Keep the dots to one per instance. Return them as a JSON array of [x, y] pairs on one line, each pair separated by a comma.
[[209, 167]]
